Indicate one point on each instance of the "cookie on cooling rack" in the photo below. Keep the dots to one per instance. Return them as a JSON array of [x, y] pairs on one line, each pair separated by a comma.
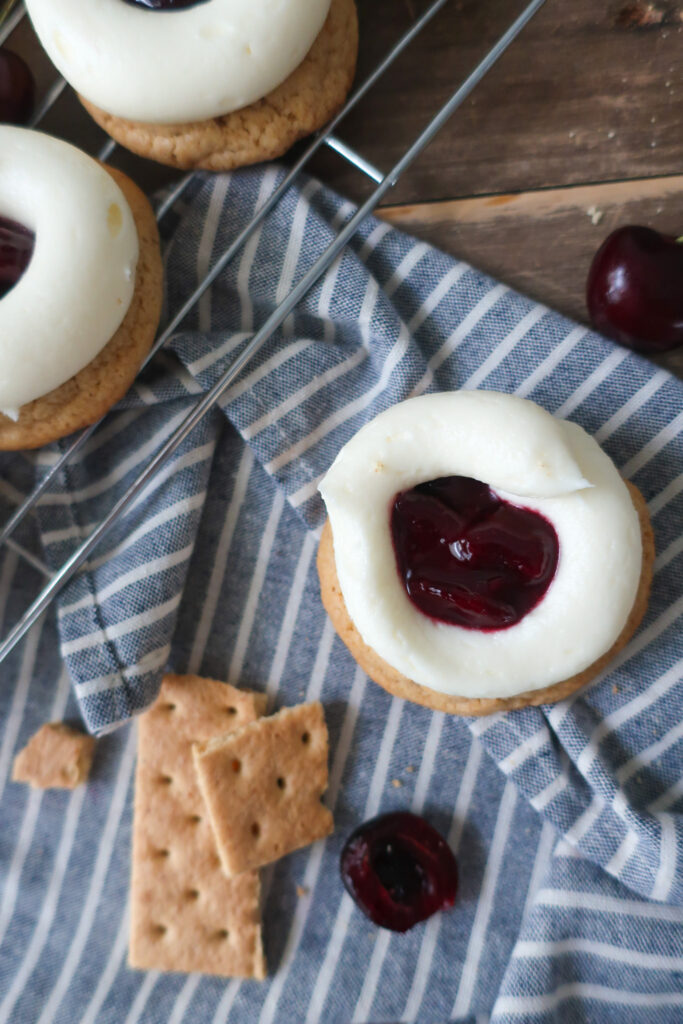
[[481, 555], [80, 287], [240, 82]]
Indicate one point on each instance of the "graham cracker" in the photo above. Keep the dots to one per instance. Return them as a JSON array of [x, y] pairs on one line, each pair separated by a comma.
[[57, 756], [262, 786], [185, 914]]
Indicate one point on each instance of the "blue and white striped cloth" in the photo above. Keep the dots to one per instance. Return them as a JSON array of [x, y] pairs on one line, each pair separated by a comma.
[[566, 820]]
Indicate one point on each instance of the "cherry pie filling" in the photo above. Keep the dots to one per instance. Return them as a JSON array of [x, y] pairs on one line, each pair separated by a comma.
[[469, 558], [165, 5], [16, 249]]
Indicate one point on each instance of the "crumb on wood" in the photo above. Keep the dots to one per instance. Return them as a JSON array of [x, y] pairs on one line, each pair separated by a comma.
[[595, 214], [640, 15]]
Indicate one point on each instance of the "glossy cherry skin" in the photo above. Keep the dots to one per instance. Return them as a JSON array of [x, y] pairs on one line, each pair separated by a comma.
[[635, 289], [469, 558], [165, 5], [16, 249], [17, 89], [399, 870]]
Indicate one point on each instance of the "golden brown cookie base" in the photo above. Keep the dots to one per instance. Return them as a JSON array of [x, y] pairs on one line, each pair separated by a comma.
[[84, 398], [381, 672], [302, 104]]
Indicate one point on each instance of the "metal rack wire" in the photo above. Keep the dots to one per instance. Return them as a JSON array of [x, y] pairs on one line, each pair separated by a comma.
[[384, 182]]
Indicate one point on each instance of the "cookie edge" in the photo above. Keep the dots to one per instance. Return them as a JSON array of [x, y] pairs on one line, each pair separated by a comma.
[[192, 145], [139, 325], [400, 686]]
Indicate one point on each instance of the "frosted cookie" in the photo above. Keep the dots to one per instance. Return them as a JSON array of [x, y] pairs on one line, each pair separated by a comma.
[[241, 82], [481, 555], [80, 287]]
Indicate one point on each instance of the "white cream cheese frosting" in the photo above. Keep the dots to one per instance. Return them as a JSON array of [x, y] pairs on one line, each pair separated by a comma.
[[529, 458], [79, 284], [173, 66]]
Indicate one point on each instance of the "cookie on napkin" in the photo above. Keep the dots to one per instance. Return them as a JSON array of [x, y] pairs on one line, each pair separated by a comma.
[[263, 784]]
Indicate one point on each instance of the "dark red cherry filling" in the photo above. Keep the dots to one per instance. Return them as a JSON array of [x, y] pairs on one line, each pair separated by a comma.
[[165, 5], [16, 249], [17, 89], [399, 870], [469, 558]]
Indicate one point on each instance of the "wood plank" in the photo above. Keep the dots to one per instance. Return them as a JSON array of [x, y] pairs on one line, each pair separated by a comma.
[[585, 94], [542, 242]]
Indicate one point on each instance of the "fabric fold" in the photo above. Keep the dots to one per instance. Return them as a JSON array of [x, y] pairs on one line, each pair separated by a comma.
[[391, 318]]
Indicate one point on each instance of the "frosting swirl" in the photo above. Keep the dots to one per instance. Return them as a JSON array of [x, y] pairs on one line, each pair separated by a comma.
[[78, 286], [169, 67], [529, 458]]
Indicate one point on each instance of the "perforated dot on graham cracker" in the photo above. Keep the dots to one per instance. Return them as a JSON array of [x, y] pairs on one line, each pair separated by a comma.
[[185, 914], [262, 786], [56, 757]]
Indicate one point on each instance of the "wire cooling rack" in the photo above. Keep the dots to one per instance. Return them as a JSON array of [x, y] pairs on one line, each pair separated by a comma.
[[383, 183]]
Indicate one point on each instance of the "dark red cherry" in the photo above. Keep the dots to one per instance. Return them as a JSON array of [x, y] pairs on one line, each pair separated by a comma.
[[17, 89], [468, 558], [165, 5], [399, 870], [635, 289], [16, 249]]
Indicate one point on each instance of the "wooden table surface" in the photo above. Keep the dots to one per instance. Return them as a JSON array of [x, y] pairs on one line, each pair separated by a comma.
[[576, 130]]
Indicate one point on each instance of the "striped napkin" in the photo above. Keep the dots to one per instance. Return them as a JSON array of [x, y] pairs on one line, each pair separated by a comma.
[[566, 820]]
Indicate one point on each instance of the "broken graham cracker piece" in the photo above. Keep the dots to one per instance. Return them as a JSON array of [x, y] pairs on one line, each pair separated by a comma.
[[262, 786], [57, 756], [185, 914]]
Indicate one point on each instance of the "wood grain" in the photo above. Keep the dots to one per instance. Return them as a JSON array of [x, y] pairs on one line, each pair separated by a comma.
[[590, 95], [583, 95], [580, 96], [542, 242]]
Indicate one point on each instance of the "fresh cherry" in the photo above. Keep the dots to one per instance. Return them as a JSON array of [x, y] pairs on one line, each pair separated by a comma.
[[469, 558], [16, 249], [165, 5], [17, 89], [635, 289], [399, 870]]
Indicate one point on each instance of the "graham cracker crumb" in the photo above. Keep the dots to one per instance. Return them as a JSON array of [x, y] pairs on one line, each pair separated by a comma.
[[56, 757]]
